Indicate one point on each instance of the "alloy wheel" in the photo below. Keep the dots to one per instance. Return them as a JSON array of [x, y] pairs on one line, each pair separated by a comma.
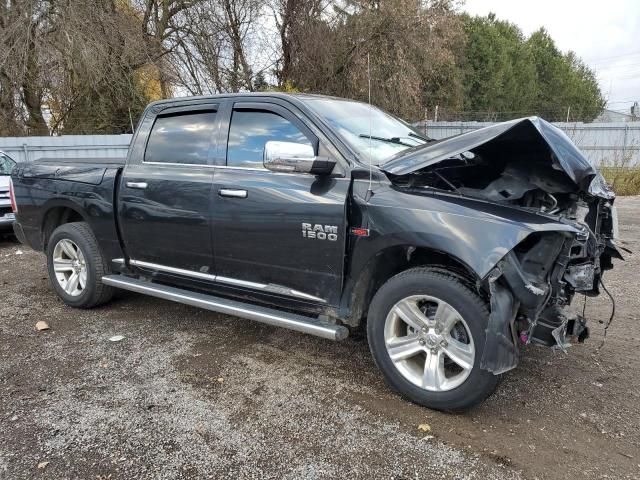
[[70, 267], [429, 343]]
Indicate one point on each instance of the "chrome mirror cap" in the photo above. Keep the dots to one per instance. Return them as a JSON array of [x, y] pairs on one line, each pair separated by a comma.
[[292, 157]]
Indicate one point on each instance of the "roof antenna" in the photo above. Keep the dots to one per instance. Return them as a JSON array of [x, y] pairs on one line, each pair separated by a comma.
[[370, 190]]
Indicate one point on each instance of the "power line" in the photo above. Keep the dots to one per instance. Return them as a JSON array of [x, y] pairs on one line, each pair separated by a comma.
[[619, 65], [623, 101], [605, 59]]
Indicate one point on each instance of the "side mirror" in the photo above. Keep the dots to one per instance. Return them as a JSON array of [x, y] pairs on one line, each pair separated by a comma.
[[295, 158]]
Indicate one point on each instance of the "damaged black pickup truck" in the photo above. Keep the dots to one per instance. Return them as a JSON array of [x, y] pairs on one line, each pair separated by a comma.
[[324, 216]]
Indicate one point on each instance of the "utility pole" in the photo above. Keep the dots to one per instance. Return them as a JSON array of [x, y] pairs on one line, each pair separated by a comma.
[[426, 119], [568, 112]]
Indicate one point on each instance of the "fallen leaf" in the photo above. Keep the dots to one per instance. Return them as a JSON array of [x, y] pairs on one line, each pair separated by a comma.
[[424, 427], [116, 338], [42, 325], [42, 465], [427, 437], [19, 252], [220, 379]]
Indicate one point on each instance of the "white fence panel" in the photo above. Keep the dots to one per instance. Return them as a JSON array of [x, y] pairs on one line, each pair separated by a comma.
[[616, 144], [603, 143], [66, 146]]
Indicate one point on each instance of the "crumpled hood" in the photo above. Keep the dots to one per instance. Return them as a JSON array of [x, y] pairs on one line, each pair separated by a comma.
[[532, 134]]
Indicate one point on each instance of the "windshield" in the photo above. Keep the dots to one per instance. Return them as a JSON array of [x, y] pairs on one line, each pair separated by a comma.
[[351, 121], [6, 165]]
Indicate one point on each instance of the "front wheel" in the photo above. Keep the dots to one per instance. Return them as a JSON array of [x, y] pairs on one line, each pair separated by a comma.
[[76, 266], [426, 333]]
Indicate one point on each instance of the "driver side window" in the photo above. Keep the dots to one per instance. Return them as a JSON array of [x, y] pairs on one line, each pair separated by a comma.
[[251, 129]]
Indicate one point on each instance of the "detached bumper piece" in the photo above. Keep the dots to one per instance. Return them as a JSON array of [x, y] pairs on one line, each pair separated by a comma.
[[500, 351], [559, 327], [514, 290]]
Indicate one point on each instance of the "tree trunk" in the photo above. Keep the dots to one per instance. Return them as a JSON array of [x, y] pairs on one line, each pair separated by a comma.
[[31, 90]]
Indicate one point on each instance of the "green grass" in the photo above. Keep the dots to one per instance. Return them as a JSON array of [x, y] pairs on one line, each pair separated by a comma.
[[625, 180]]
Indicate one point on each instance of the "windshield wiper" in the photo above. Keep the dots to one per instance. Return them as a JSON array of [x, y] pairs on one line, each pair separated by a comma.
[[395, 140], [420, 137]]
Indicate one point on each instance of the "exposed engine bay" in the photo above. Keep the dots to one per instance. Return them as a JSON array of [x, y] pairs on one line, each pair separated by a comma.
[[527, 164]]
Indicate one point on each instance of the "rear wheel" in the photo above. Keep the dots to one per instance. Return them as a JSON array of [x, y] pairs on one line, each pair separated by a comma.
[[76, 266], [426, 332]]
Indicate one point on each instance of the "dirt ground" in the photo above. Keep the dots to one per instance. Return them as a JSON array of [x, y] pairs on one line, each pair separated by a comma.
[[193, 394]]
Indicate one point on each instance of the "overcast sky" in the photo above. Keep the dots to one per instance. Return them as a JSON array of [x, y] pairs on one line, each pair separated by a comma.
[[606, 34]]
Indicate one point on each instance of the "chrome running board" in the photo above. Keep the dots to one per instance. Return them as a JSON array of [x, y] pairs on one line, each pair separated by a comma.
[[266, 315]]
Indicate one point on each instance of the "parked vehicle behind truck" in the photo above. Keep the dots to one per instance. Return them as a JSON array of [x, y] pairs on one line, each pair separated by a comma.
[[7, 164], [326, 215]]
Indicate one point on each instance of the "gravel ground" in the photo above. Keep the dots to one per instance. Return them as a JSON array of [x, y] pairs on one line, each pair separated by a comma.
[[193, 394]]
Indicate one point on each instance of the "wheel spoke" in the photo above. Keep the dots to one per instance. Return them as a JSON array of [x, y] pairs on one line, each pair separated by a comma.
[[434, 377], [401, 348], [460, 353], [72, 283], [67, 247], [83, 279], [446, 317], [62, 265], [410, 314]]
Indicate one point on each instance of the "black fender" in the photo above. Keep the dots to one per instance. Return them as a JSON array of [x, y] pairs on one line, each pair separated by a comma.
[[473, 233]]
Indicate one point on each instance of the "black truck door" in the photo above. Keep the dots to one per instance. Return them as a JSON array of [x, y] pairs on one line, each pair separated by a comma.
[[165, 193], [277, 233]]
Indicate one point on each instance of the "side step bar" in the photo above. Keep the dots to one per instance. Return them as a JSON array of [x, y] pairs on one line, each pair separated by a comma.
[[266, 315]]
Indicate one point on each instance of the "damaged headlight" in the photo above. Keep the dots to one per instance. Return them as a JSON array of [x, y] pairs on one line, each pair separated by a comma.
[[581, 277]]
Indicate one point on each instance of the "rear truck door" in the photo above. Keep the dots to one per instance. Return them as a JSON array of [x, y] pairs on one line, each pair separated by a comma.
[[280, 234], [165, 192]]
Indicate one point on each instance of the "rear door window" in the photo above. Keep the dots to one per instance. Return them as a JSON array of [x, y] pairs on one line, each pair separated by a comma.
[[181, 138], [251, 129]]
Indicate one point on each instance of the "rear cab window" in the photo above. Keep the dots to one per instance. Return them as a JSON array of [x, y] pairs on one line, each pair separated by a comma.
[[183, 137], [251, 129]]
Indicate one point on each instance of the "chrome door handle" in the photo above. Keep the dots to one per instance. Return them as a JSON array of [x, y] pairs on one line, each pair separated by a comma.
[[138, 185], [232, 192]]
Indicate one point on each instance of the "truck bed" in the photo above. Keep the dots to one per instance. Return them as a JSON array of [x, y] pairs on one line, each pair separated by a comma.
[[84, 170], [110, 161]]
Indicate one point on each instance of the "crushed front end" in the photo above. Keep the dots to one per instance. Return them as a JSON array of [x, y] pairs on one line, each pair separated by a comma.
[[534, 285], [531, 165]]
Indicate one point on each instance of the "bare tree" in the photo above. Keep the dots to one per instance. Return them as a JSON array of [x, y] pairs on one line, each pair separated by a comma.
[[220, 52], [85, 67], [412, 45], [25, 27]]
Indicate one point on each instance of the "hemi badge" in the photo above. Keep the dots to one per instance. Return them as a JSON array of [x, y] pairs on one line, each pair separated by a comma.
[[360, 232]]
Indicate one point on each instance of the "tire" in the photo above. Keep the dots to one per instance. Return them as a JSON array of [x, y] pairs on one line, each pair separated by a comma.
[[89, 265], [442, 383]]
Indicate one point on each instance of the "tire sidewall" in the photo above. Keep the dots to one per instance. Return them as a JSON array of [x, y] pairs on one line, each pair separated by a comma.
[[478, 385], [67, 232]]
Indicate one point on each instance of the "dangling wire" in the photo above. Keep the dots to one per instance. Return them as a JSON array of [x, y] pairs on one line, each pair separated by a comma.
[[613, 312]]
